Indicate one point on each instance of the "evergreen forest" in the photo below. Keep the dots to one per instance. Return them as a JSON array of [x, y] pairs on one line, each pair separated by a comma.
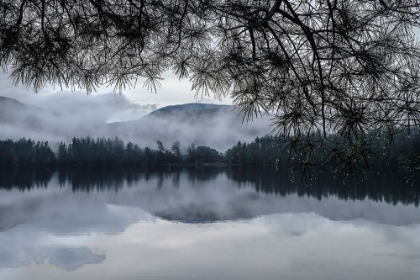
[[402, 154]]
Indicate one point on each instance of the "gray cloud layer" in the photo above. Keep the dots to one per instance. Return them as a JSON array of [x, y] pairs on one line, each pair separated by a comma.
[[62, 116]]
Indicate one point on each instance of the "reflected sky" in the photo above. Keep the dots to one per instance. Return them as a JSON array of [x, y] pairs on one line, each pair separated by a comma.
[[197, 226]]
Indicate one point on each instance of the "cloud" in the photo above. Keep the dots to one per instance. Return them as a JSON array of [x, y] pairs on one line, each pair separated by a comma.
[[112, 229], [175, 197], [73, 258], [219, 129], [59, 115], [64, 115], [19, 250], [48, 215], [62, 212], [132, 113]]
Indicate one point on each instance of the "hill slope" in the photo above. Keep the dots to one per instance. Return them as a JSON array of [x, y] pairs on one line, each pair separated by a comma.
[[9, 108], [218, 126], [18, 120]]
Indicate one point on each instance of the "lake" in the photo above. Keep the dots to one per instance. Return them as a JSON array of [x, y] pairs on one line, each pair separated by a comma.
[[206, 223]]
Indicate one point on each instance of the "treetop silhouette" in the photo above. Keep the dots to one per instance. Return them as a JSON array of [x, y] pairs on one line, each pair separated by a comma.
[[339, 69]]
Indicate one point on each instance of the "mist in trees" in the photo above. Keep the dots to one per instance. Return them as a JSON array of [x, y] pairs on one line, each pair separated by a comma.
[[25, 152], [106, 151], [402, 155], [339, 69]]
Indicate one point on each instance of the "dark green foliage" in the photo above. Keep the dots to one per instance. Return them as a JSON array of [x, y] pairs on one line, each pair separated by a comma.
[[343, 68], [63, 155], [99, 152], [25, 152], [87, 151], [176, 150], [191, 153], [301, 157], [263, 150], [205, 154]]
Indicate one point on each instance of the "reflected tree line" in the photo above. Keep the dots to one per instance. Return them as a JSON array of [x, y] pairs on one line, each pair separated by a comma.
[[382, 185], [25, 178]]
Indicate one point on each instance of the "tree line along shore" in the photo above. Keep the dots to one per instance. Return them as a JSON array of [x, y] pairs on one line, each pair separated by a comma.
[[402, 154]]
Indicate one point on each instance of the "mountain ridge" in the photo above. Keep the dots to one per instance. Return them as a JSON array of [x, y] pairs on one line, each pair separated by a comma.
[[187, 108], [217, 126]]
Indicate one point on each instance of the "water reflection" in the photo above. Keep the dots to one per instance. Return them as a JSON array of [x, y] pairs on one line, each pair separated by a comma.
[[384, 185], [205, 223], [199, 195], [379, 185], [73, 258], [25, 178]]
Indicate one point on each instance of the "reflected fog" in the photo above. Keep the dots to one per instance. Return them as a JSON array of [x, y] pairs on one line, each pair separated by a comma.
[[205, 223]]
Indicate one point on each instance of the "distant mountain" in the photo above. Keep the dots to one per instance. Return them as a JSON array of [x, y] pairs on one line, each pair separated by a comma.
[[5, 101], [217, 126], [18, 120], [15, 116], [9, 109], [191, 109], [193, 113]]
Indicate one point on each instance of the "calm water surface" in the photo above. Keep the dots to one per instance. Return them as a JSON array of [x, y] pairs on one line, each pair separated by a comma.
[[205, 224]]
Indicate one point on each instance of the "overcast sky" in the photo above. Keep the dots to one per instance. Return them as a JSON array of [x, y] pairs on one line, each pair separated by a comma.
[[171, 92], [57, 115]]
